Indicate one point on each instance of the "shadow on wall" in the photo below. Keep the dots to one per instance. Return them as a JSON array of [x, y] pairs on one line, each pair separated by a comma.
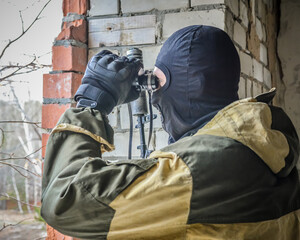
[[289, 54]]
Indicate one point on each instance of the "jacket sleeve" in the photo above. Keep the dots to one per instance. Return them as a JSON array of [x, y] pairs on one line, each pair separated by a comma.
[[78, 185], [281, 122]]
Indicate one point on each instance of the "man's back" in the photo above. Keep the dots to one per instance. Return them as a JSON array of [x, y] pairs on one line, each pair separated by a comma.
[[207, 186]]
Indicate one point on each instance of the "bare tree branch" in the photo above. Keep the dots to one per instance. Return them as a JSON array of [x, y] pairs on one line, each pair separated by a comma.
[[34, 152], [23, 112], [11, 225], [7, 71], [16, 166], [21, 17], [19, 158], [24, 30], [10, 165], [27, 122], [33, 65], [2, 137], [5, 153], [30, 67], [10, 197], [18, 69], [16, 158]]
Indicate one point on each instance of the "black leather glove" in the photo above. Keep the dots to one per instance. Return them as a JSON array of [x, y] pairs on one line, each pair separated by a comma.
[[107, 82]]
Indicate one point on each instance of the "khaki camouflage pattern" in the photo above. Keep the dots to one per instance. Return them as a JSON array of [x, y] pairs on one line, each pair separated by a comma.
[[234, 179]]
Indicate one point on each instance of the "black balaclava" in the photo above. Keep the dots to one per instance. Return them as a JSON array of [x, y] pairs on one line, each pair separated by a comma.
[[202, 69]]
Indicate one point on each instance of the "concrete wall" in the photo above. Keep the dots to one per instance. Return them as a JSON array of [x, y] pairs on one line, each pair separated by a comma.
[[247, 26], [146, 25], [289, 54], [119, 25]]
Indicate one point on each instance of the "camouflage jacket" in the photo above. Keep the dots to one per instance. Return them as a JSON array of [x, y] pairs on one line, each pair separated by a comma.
[[234, 179]]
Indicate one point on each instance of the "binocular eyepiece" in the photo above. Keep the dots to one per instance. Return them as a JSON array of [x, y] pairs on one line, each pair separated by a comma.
[[146, 81]]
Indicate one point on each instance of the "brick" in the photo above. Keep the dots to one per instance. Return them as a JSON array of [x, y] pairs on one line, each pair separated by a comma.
[[61, 85], [244, 14], [206, 2], [265, 89], [257, 70], [136, 153], [152, 141], [161, 139], [263, 54], [76, 30], [242, 88], [252, 8], [121, 141], [123, 23], [50, 233], [233, 6], [267, 78], [249, 89], [51, 114], [127, 37], [129, 6], [112, 118], [69, 58], [157, 121], [124, 117], [149, 53], [121, 145], [261, 10], [259, 29], [118, 31], [257, 89], [75, 6], [264, 33], [246, 64], [122, 138], [103, 7], [45, 137], [229, 24], [176, 21], [53, 234], [94, 51], [239, 35]]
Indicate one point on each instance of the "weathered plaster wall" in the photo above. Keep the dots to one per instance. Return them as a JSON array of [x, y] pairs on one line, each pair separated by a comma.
[[248, 28], [289, 54], [119, 25]]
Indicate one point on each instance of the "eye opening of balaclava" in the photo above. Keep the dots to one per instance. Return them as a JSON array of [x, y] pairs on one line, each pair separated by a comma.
[[202, 69]]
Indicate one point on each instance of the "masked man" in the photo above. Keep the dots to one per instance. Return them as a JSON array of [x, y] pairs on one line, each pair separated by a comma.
[[229, 172]]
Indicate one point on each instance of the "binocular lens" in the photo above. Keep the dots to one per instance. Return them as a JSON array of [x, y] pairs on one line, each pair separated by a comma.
[[148, 82]]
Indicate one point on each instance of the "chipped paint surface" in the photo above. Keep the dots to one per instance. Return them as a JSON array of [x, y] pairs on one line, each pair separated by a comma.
[[61, 85]]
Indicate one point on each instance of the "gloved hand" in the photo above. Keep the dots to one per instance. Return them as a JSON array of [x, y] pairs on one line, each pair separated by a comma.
[[107, 82]]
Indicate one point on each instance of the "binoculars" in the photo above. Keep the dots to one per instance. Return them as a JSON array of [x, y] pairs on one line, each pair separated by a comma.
[[146, 81]]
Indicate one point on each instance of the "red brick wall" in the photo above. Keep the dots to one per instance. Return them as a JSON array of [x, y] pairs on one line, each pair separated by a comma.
[[69, 59]]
